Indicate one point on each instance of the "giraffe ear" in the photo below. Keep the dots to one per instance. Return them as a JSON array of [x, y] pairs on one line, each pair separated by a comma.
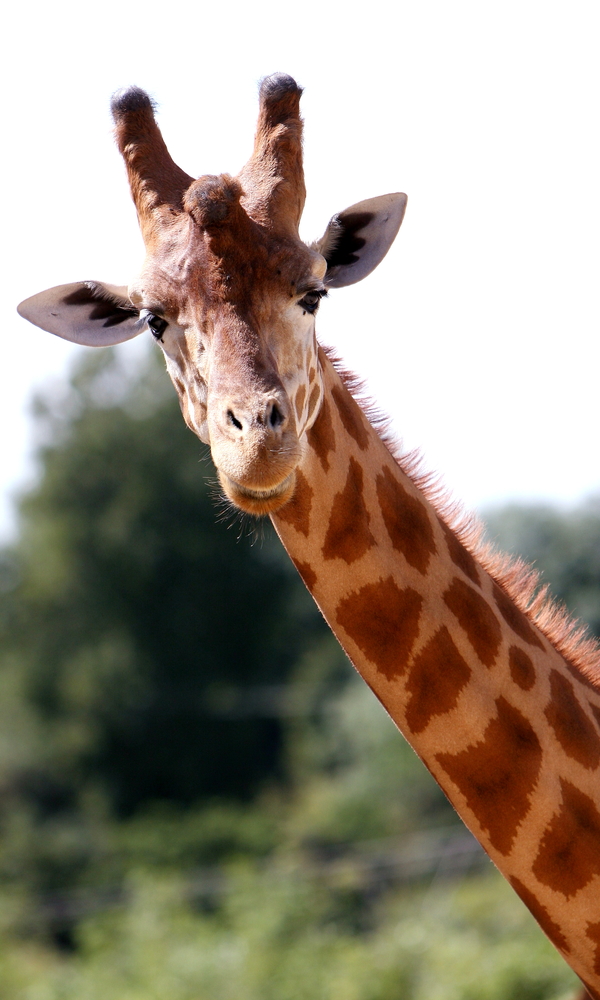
[[357, 239], [85, 312]]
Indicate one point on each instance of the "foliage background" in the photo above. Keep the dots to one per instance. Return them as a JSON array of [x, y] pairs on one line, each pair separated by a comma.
[[198, 798]]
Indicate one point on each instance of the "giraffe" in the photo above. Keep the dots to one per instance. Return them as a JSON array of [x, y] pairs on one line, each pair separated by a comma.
[[494, 687]]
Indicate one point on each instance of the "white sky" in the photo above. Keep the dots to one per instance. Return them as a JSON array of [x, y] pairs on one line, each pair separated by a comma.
[[479, 333]]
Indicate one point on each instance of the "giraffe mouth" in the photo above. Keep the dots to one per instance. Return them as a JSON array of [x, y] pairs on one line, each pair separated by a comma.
[[256, 501]]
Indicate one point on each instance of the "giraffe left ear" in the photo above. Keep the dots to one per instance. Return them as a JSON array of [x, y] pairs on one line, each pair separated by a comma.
[[85, 312], [357, 239]]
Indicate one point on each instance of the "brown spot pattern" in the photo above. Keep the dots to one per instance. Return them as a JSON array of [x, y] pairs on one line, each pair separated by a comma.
[[350, 416], [476, 618], [299, 401], [580, 676], [574, 731], [460, 556], [297, 511], [437, 676], [498, 774], [383, 621], [516, 619], [406, 521], [321, 437], [539, 911], [312, 400], [306, 572], [348, 536], [568, 856], [522, 670], [592, 931]]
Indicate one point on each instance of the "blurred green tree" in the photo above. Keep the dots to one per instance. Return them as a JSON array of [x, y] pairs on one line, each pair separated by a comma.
[[151, 643]]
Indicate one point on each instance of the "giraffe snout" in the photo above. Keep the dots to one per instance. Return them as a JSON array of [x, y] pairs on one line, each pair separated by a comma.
[[271, 415], [254, 446]]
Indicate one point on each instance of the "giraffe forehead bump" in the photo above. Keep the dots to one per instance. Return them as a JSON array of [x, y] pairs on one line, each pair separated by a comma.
[[212, 201]]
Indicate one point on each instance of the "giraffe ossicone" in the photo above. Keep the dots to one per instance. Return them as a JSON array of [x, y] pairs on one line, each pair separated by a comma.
[[497, 691]]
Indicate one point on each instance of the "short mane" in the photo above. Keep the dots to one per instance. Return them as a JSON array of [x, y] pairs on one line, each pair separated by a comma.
[[520, 581]]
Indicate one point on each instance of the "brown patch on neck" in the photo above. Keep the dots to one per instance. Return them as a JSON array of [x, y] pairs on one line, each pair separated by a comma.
[[299, 401], [321, 437], [568, 857], [297, 511], [591, 682], [351, 416], [437, 676], [574, 731], [306, 572], [498, 774], [541, 914], [476, 618], [516, 619], [406, 521], [348, 536], [313, 399], [383, 621], [596, 713], [522, 670], [459, 555], [592, 932]]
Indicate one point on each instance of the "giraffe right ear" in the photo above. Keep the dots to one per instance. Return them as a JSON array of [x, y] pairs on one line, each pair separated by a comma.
[[85, 312], [357, 239]]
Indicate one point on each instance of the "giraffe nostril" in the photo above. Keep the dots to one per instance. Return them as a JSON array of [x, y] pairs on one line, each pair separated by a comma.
[[276, 417], [231, 417]]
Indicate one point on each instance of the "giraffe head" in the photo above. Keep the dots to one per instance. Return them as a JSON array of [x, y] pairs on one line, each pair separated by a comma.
[[229, 290]]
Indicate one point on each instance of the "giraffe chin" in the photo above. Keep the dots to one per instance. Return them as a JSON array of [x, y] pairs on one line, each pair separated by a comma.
[[258, 502]]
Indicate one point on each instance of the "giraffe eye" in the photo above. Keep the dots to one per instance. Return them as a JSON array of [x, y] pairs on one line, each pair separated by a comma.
[[157, 325], [310, 302]]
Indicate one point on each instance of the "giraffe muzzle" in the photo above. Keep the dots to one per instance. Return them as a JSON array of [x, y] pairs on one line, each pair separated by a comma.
[[258, 502], [255, 448]]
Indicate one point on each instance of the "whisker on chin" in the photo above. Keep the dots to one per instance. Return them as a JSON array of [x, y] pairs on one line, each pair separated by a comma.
[[230, 515]]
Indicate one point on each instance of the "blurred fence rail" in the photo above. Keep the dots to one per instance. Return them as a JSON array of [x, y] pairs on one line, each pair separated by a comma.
[[446, 853]]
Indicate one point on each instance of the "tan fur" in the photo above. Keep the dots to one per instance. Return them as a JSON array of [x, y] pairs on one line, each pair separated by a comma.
[[521, 581], [494, 685]]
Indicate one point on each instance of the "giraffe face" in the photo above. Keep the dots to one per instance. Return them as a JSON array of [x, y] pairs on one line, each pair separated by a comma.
[[233, 308], [229, 290]]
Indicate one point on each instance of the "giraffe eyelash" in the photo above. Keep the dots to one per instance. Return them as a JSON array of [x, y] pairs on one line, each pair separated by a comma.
[[311, 300]]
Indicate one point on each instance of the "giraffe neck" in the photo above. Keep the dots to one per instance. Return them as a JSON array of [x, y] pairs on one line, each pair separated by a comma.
[[507, 725]]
